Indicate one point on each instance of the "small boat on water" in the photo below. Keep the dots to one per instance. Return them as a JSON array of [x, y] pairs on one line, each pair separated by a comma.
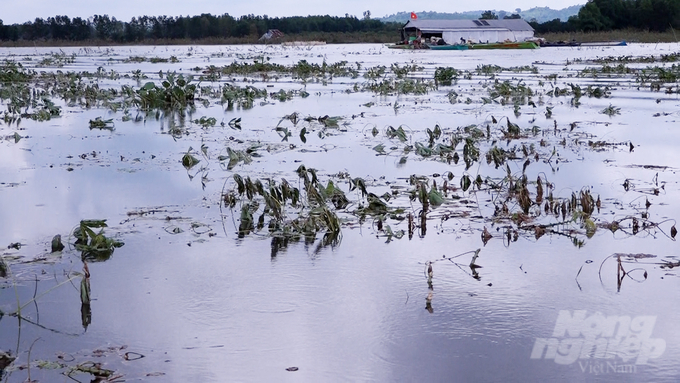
[[459, 47], [406, 46], [554, 44], [506, 45], [449, 47], [605, 44], [574, 43]]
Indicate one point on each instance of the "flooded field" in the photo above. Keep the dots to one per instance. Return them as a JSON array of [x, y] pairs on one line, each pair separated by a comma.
[[339, 213]]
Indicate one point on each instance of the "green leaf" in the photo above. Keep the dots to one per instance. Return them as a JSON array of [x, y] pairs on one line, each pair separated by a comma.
[[465, 182], [435, 197], [302, 135], [189, 161]]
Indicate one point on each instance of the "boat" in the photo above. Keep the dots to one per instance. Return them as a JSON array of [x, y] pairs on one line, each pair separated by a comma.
[[506, 45], [449, 47], [605, 44], [406, 46], [553, 44]]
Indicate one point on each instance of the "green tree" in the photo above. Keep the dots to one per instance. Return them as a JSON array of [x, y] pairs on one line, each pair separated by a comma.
[[616, 13], [658, 15], [489, 15], [590, 18]]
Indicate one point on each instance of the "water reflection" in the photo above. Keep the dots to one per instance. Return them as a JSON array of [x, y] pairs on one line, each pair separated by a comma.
[[341, 303]]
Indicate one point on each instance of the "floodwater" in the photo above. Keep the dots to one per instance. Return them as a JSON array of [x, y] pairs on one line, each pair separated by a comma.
[[186, 298]]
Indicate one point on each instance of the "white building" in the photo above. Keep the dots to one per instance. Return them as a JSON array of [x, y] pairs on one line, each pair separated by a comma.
[[475, 30]]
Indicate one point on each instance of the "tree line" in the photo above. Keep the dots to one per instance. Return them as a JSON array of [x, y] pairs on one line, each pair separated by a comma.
[[103, 27], [606, 15]]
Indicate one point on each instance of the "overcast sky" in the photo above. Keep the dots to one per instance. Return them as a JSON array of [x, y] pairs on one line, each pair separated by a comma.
[[20, 11]]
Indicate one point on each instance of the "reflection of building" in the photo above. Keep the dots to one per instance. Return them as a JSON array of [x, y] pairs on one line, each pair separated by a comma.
[[452, 31]]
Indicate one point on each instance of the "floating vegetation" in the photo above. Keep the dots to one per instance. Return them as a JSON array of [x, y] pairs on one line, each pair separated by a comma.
[[206, 122], [188, 160], [517, 94], [611, 111], [241, 97], [445, 76], [175, 92], [94, 247], [312, 209], [233, 157], [57, 245], [629, 59], [392, 150], [392, 86], [98, 123], [57, 60]]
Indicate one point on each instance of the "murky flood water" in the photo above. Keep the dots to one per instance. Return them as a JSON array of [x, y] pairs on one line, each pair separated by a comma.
[[540, 187]]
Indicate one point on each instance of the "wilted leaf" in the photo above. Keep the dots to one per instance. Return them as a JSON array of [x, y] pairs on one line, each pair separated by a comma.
[[591, 228], [486, 236], [189, 161], [56, 243]]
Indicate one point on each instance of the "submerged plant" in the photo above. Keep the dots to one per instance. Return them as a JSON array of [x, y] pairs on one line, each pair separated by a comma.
[[98, 123], [611, 110], [263, 205], [94, 246], [175, 93], [445, 76], [188, 160]]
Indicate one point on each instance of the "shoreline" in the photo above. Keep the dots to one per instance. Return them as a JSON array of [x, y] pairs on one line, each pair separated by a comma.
[[629, 36]]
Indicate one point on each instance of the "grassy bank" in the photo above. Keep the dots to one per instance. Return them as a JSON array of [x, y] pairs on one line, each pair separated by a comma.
[[330, 38], [351, 38]]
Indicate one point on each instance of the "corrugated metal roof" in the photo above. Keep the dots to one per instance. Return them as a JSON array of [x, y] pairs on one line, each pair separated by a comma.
[[442, 25]]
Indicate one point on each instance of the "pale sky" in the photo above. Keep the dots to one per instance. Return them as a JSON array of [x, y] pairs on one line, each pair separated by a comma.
[[20, 11]]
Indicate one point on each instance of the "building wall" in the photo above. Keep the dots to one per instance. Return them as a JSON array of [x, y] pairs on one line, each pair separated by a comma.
[[492, 36]]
